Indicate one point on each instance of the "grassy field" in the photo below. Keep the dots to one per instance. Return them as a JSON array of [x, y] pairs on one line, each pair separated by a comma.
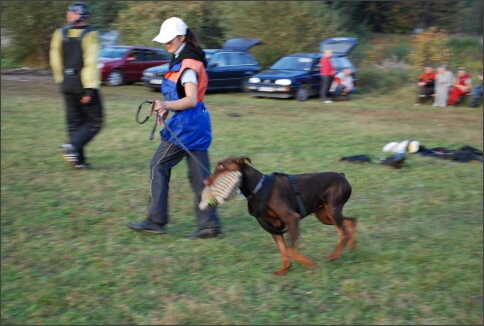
[[68, 257]]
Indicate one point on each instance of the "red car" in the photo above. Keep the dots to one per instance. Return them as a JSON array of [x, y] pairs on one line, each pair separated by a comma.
[[124, 64]]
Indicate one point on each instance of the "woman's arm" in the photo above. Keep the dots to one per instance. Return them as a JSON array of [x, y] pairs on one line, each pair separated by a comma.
[[188, 102]]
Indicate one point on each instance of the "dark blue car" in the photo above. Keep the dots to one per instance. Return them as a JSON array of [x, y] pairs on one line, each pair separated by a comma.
[[228, 68], [298, 75]]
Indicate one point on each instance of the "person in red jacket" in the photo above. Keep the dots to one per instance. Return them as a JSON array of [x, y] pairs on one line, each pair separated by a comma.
[[327, 72], [462, 86], [426, 82]]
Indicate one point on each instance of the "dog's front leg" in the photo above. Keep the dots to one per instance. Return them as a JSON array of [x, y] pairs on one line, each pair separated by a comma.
[[286, 262], [293, 226]]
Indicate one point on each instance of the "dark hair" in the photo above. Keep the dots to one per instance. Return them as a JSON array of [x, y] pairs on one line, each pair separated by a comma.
[[191, 38]]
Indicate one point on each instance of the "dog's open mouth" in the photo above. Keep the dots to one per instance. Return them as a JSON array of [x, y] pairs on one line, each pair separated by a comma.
[[223, 188]]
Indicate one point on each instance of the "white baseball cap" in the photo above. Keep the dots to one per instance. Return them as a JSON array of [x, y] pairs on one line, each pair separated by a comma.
[[171, 28]]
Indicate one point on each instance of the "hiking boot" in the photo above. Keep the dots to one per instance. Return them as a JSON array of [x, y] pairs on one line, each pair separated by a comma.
[[69, 154], [147, 226], [205, 234]]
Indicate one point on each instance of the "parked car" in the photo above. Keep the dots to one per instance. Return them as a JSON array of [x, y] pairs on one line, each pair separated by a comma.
[[298, 75], [227, 68], [124, 64]]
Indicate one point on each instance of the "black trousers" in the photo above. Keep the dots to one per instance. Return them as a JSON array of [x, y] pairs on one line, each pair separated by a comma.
[[424, 91], [166, 157], [325, 84], [84, 121]]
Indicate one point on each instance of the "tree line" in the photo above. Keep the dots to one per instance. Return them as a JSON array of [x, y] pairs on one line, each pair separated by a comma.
[[283, 26]]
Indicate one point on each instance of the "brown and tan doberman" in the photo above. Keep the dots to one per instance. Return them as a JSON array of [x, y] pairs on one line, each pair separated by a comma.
[[279, 201]]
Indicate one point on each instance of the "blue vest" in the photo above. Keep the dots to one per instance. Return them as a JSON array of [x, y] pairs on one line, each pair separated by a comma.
[[191, 126]]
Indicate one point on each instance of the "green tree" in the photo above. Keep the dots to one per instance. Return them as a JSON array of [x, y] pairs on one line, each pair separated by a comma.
[[30, 25], [428, 49], [405, 15], [284, 26], [139, 22]]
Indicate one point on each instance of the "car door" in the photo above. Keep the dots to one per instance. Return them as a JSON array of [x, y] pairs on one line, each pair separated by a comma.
[[233, 72], [149, 58], [315, 77], [217, 70], [132, 65], [139, 60]]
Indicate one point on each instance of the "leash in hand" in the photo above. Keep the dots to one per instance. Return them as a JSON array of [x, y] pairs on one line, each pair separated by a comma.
[[152, 134], [158, 117]]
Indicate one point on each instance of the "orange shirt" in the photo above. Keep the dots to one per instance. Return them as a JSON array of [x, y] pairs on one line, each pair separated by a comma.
[[427, 77]]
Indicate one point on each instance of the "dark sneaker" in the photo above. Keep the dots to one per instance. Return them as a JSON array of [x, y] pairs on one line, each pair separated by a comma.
[[83, 166], [147, 226], [205, 234], [69, 154]]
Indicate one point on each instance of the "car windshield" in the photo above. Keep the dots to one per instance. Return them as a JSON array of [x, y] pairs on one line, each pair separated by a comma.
[[293, 63], [113, 53]]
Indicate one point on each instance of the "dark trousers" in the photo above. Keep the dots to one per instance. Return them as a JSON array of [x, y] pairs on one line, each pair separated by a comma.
[[424, 91], [84, 121], [476, 96], [167, 156], [325, 84], [340, 91]]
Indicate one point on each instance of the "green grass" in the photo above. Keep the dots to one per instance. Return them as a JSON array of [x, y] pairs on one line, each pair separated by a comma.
[[68, 258]]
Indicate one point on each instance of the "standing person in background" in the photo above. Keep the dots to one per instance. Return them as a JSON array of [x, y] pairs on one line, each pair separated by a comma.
[[327, 72], [426, 83], [74, 53], [476, 94], [462, 86], [443, 81], [183, 88]]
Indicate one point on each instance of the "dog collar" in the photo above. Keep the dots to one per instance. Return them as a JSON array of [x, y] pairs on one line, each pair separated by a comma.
[[259, 185], [256, 189]]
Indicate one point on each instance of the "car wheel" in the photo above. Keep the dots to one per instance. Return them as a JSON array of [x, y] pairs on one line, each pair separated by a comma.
[[243, 84], [302, 93], [115, 78]]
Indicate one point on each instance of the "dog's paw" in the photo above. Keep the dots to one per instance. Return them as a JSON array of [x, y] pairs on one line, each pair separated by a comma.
[[281, 272]]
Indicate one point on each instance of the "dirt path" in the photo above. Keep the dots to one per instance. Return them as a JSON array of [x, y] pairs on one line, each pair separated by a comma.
[[28, 74]]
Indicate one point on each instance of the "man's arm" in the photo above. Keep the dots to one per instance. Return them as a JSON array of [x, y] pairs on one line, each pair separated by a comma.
[[55, 56], [90, 74]]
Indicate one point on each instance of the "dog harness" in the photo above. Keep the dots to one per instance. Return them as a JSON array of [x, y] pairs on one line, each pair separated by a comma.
[[265, 185]]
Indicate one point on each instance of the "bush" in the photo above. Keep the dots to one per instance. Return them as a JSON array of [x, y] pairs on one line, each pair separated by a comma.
[[467, 52], [400, 51], [374, 79], [428, 48]]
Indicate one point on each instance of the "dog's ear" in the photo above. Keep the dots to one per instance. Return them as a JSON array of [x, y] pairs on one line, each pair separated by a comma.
[[242, 160]]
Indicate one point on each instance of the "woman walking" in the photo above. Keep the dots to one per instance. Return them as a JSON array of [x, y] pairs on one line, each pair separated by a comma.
[[183, 88]]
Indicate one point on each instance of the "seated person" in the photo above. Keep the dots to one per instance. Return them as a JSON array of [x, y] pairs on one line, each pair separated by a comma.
[[462, 86], [476, 94], [343, 84], [443, 82], [426, 83]]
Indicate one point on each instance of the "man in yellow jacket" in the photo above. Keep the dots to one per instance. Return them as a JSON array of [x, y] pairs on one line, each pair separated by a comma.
[[74, 54]]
